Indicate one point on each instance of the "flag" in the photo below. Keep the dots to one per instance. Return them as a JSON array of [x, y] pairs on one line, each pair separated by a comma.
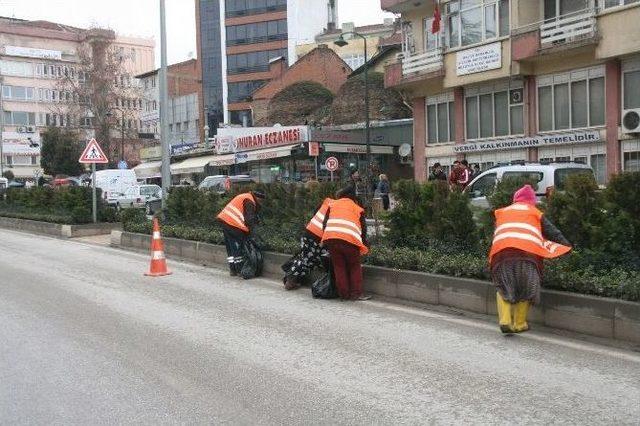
[[435, 25]]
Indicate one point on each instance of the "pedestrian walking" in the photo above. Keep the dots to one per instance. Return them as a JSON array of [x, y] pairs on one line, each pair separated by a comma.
[[522, 239], [311, 252], [460, 175], [239, 219], [437, 173], [345, 235], [384, 187]]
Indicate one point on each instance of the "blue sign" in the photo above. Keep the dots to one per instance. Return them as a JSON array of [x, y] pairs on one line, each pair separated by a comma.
[[242, 157], [122, 165], [181, 148]]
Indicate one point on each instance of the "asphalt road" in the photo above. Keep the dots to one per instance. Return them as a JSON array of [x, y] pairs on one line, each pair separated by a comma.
[[86, 339]]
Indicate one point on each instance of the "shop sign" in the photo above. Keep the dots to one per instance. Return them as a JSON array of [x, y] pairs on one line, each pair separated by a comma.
[[252, 138], [224, 144], [182, 148], [224, 162], [242, 157], [357, 149], [531, 142], [479, 59], [14, 143], [335, 136], [151, 152], [29, 52], [314, 149]]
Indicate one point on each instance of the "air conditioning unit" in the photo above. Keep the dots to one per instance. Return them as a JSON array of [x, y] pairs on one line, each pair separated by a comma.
[[22, 129], [30, 129], [631, 120]]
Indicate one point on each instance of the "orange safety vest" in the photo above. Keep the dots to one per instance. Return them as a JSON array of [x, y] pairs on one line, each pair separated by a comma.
[[316, 223], [519, 226], [344, 224], [233, 213]]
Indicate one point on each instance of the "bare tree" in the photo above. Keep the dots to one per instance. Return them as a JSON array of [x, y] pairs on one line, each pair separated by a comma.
[[98, 95]]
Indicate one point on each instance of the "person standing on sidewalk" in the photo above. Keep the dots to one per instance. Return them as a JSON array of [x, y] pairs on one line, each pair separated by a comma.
[[384, 187], [239, 219], [522, 239], [345, 235]]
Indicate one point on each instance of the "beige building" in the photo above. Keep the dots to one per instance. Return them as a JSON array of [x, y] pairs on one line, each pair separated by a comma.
[[35, 58], [522, 80], [353, 52]]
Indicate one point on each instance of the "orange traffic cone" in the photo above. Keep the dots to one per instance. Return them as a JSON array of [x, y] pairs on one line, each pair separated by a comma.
[[158, 261]]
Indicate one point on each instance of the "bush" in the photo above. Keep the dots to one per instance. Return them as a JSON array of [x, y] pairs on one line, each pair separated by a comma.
[[70, 205]]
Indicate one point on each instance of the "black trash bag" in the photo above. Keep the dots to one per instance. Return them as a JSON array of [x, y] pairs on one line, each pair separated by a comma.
[[324, 287], [253, 259]]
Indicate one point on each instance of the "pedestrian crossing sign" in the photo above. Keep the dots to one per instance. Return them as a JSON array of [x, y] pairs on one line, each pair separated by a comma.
[[93, 154]]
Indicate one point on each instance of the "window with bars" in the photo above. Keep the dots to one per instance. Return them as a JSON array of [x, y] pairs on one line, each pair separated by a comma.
[[571, 100]]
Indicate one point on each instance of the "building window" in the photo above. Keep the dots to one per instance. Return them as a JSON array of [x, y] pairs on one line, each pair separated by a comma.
[[440, 119], [17, 69], [599, 166], [631, 88], [242, 117], [632, 161], [19, 118], [616, 3], [354, 60], [253, 7], [494, 111], [8, 160], [571, 100], [239, 92], [258, 32], [18, 93], [474, 21]]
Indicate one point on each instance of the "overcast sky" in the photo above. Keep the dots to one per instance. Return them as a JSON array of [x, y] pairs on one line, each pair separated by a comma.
[[141, 18]]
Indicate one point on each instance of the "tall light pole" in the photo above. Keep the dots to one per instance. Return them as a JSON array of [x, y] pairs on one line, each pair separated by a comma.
[[164, 108], [341, 42]]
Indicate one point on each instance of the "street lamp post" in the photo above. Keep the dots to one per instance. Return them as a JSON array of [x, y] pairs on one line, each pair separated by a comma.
[[341, 42]]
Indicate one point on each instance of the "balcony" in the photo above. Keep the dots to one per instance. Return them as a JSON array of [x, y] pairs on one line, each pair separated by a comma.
[[398, 6], [422, 63], [554, 36], [569, 28]]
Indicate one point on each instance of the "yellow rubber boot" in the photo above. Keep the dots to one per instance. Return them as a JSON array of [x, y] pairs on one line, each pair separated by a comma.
[[520, 314], [504, 314]]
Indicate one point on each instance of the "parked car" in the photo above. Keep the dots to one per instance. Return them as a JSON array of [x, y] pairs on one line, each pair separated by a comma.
[[549, 177], [140, 197], [114, 183], [222, 183]]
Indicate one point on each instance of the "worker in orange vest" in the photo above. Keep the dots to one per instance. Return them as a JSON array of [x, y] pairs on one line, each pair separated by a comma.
[[345, 235], [522, 239], [239, 219], [311, 252]]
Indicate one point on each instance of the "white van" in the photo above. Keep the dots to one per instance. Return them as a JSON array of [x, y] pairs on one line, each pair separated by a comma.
[[114, 183], [549, 177]]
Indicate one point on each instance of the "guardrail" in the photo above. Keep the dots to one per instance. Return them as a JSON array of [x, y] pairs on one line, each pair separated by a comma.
[[567, 28], [422, 62]]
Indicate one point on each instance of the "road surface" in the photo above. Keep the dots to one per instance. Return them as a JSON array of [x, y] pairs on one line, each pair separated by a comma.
[[86, 339]]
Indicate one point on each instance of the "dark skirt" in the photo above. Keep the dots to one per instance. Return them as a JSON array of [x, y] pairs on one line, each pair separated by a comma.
[[517, 276]]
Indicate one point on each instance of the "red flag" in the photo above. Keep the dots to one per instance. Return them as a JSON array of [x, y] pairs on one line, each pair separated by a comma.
[[435, 25]]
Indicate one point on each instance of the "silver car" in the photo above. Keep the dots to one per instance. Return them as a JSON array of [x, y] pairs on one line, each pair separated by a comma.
[[139, 197]]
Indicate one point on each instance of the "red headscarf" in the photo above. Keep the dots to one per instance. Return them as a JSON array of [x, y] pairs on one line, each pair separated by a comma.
[[526, 194]]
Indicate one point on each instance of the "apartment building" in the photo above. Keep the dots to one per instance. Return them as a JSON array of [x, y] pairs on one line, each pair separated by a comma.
[[36, 57], [237, 39], [185, 93], [352, 53], [522, 80]]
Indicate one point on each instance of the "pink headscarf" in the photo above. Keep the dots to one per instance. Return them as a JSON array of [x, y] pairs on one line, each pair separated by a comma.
[[526, 194]]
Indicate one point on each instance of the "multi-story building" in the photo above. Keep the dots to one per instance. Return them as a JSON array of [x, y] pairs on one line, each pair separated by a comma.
[[185, 93], [505, 80], [37, 59], [353, 52], [237, 39]]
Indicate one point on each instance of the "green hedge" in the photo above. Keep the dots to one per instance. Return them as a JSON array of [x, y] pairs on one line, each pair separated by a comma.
[[70, 205], [433, 230]]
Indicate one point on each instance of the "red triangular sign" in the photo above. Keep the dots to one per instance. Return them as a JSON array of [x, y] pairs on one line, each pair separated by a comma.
[[93, 154]]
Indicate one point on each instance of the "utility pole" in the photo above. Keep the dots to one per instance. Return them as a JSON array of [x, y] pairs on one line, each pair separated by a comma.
[[164, 108]]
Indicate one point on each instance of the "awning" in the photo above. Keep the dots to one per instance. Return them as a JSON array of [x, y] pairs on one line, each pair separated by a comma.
[[148, 170], [264, 154], [223, 160], [191, 165]]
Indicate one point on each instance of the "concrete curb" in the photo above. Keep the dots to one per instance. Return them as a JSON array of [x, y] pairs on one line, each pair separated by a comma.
[[590, 315], [58, 230]]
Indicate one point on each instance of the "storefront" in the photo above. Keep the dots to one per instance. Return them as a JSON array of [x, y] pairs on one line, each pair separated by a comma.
[[21, 152]]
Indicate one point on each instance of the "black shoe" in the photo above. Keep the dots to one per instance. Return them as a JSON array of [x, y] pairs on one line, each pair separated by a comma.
[[506, 329]]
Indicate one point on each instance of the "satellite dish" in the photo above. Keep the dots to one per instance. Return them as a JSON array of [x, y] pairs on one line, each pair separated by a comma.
[[404, 150]]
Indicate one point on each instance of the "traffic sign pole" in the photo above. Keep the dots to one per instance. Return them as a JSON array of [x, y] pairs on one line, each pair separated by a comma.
[[95, 198]]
